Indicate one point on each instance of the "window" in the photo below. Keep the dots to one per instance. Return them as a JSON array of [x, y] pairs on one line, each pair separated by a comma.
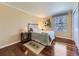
[[60, 23]]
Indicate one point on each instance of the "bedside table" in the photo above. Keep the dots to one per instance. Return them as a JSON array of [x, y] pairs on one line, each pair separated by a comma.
[[25, 37]]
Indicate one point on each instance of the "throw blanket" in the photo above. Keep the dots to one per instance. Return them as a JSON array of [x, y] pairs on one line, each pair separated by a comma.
[[51, 34]]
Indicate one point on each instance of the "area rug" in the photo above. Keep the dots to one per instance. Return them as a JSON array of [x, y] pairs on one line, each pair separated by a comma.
[[34, 47]]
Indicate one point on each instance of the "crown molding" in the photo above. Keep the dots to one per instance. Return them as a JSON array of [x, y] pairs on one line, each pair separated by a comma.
[[21, 10]]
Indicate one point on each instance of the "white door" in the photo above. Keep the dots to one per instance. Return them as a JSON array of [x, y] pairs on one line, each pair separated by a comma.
[[75, 24]]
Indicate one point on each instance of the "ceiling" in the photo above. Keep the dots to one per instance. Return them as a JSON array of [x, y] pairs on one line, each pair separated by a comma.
[[41, 9]]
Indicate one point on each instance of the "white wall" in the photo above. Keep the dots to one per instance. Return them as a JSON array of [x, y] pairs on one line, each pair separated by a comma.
[[11, 21]]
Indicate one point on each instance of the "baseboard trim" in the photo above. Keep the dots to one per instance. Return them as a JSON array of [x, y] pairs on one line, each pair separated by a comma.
[[9, 44], [64, 37], [65, 40]]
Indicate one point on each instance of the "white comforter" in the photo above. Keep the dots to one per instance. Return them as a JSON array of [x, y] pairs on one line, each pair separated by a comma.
[[50, 33], [43, 37]]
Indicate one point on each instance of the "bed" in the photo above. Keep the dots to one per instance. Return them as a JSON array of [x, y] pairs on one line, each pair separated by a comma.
[[44, 38]]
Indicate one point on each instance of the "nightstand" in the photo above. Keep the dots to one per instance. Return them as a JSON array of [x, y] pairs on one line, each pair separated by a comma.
[[25, 37]]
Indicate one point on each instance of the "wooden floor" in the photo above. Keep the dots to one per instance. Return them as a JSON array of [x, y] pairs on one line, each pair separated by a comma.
[[19, 50]]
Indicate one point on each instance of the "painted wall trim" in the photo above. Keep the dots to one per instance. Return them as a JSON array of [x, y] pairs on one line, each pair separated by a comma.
[[9, 44], [65, 37]]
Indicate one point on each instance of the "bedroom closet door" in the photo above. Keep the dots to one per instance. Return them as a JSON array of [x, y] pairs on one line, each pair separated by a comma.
[[75, 24]]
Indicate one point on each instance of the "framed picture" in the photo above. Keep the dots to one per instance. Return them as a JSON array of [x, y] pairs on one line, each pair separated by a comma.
[[32, 27]]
